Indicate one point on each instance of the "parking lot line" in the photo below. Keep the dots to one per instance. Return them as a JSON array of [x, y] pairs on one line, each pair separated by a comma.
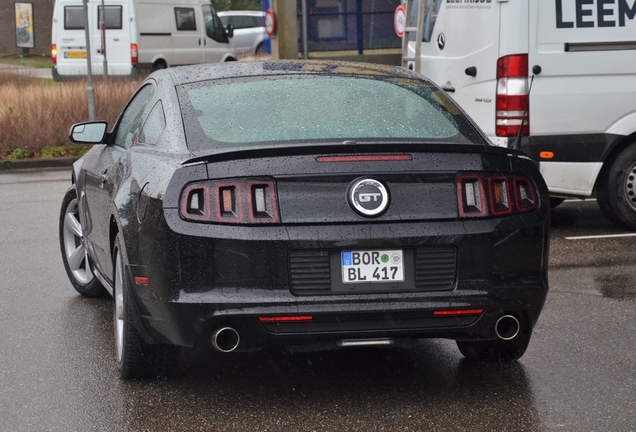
[[601, 236]]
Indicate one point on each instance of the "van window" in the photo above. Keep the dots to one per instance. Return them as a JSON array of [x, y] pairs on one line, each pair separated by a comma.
[[113, 18], [213, 26], [185, 19], [74, 18], [242, 22]]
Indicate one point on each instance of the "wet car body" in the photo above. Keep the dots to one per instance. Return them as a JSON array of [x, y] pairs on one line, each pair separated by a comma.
[[243, 247]]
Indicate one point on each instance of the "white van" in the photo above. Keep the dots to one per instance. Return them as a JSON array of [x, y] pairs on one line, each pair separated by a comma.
[[151, 34], [578, 60], [249, 30]]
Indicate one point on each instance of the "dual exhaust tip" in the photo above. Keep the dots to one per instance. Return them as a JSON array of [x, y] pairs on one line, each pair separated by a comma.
[[507, 327], [227, 339]]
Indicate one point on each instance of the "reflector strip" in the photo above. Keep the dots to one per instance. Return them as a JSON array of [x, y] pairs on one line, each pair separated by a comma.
[[456, 312], [142, 280], [369, 158], [286, 318]]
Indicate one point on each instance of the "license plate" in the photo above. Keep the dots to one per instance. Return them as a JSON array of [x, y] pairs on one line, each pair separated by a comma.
[[372, 266], [74, 54]]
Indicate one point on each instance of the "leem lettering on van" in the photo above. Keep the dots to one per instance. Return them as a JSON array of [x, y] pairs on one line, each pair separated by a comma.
[[594, 13], [468, 4]]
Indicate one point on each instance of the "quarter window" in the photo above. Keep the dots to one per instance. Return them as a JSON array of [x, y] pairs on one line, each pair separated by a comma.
[[154, 125], [129, 122]]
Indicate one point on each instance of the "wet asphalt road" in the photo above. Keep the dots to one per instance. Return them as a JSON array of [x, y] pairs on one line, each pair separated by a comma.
[[57, 370]]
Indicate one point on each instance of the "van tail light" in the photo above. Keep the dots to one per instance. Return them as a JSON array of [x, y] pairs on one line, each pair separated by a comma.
[[512, 96], [54, 54], [251, 201], [134, 54], [494, 195]]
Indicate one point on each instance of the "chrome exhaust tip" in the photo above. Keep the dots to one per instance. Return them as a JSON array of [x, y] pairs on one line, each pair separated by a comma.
[[225, 339], [507, 327]]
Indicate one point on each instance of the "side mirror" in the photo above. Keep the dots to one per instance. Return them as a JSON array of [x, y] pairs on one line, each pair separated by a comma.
[[229, 30], [88, 133]]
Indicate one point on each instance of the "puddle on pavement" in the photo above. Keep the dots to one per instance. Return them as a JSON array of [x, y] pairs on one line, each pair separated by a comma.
[[620, 286]]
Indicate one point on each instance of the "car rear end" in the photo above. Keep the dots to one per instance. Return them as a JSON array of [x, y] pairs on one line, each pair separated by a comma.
[[332, 243]]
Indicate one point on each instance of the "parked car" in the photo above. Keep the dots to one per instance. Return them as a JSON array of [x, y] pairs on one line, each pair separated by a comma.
[[347, 205], [249, 30]]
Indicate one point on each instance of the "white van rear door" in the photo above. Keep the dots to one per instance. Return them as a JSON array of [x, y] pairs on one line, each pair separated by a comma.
[[460, 39], [115, 38], [70, 37]]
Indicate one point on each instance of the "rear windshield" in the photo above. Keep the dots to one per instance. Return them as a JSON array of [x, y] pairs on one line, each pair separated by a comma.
[[319, 108]]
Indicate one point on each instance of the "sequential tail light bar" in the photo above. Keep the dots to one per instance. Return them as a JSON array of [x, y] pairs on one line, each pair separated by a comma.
[[241, 201], [491, 195]]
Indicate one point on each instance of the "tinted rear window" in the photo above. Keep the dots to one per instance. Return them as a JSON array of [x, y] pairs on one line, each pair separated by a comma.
[[319, 108]]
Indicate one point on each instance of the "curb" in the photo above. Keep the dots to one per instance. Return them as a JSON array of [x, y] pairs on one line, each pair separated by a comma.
[[25, 164]]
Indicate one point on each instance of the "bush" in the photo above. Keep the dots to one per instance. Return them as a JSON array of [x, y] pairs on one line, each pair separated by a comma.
[[37, 114]]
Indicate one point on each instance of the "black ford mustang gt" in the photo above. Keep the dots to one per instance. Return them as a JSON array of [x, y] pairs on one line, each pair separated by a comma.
[[308, 205]]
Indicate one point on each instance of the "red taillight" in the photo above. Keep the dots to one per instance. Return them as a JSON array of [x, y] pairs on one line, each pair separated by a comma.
[[54, 54], [142, 280], [134, 53], [294, 318], [525, 196], [512, 103], [238, 202], [473, 200], [471, 196], [262, 202], [499, 192], [365, 158], [457, 312]]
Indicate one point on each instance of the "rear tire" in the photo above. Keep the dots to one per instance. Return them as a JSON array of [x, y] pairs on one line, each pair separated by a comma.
[[502, 351], [74, 254], [136, 359], [616, 195]]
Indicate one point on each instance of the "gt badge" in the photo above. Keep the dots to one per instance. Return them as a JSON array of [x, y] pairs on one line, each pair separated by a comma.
[[368, 197]]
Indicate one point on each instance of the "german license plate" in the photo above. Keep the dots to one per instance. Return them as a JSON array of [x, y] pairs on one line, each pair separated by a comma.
[[74, 54], [372, 266]]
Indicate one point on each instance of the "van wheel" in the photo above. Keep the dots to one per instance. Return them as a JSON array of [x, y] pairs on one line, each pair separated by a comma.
[[159, 65], [616, 195], [259, 49]]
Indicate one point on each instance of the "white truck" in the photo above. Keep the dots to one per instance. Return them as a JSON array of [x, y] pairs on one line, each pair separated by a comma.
[[136, 34], [566, 69]]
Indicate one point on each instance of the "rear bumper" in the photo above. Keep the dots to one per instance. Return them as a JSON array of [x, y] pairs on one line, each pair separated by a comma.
[[193, 319]]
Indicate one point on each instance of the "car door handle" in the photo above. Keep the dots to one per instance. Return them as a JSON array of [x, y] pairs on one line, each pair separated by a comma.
[[449, 89]]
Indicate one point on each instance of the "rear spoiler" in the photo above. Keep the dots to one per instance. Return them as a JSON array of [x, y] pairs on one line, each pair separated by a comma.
[[347, 148]]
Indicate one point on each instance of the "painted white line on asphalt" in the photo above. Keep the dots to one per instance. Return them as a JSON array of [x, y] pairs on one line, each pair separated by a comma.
[[601, 236]]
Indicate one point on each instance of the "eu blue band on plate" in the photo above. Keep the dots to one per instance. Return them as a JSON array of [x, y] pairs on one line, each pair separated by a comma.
[[346, 258]]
